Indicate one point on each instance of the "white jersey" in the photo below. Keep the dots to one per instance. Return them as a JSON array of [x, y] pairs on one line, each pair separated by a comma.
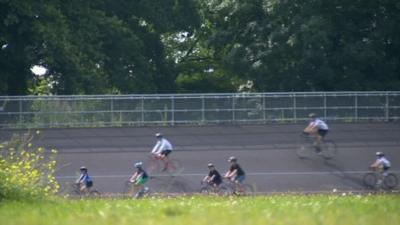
[[383, 162], [161, 145], [321, 125]]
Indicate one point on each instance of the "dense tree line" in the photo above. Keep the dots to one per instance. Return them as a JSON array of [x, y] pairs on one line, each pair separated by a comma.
[[168, 46]]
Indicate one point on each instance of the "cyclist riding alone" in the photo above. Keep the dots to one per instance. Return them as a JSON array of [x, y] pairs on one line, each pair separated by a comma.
[[235, 173], [213, 178], [317, 128], [381, 164], [162, 149], [139, 178], [84, 182]]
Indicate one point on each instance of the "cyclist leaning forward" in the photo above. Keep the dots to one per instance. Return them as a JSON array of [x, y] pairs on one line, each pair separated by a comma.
[[162, 149], [317, 128], [84, 182], [213, 177], [236, 174], [139, 179]]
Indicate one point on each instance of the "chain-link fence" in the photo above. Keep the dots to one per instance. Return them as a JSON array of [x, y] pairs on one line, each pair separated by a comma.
[[139, 110]]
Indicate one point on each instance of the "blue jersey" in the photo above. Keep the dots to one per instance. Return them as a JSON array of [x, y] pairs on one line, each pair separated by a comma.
[[84, 178]]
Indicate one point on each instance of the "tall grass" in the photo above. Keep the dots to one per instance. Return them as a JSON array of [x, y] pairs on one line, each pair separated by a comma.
[[26, 172], [281, 209]]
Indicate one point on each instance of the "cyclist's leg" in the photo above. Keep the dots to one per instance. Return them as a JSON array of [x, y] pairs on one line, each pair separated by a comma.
[[239, 183], [320, 135], [165, 158], [139, 186]]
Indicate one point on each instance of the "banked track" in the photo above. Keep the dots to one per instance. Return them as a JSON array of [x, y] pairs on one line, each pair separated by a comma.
[[266, 152]]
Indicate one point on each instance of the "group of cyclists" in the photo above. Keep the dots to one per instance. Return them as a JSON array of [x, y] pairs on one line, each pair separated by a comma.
[[317, 128]]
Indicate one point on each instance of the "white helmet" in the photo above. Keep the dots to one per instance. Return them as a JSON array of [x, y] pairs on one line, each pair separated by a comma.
[[138, 165]]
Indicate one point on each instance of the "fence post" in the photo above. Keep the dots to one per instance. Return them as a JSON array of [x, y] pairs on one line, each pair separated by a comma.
[[142, 112], [203, 106], [294, 108], [387, 107], [356, 106], [112, 111], [172, 110], [325, 106], [263, 108], [233, 107], [20, 112]]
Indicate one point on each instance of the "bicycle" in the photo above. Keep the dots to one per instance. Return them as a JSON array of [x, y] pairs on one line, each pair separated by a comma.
[[75, 190], [377, 179], [207, 188], [245, 190], [306, 147], [155, 164], [128, 189]]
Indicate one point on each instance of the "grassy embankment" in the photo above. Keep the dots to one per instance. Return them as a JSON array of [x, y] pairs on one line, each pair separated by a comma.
[[280, 209]]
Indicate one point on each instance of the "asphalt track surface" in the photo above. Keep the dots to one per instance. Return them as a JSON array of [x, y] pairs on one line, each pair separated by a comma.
[[266, 152]]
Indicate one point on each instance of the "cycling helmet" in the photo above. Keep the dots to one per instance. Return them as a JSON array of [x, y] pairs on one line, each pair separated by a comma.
[[380, 154], [83, 168], [138, 165], [312, 115], [210, 165], [159, 135], [232, 159]]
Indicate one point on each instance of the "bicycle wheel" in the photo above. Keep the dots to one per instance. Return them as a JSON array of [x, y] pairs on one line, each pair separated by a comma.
[[94, 193], [74, 190], [390, 181], [204, 190], [127, 187], [174, 166], [329, 149], [153, 165], [370, 180], [248, 189], [303, 151], [224, 191]]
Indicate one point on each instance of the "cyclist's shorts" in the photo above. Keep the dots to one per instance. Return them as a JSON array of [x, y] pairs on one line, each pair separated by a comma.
[[166, 152], [386, 168], [322, 132], [89, 184], [240, 178], [142, 181]]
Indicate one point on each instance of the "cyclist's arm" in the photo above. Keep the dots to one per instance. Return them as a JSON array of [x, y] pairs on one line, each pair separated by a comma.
[[134, 177], [375, 164], [156, 148], [310, 128], [80, 179], [211, 178], [230, 174]]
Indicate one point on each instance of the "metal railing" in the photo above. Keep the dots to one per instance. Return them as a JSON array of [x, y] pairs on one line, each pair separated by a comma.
[[140, 110]]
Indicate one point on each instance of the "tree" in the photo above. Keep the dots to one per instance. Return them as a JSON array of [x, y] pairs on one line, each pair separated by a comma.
[[309, 45], [91, 47]]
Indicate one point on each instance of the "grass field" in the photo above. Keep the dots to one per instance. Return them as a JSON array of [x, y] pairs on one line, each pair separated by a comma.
[[277, 209]]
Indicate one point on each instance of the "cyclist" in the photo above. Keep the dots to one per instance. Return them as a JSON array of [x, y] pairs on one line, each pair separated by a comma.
[[213, 177], [381, 164], [84, 182], [235, 174], [317, 128], [162, 149], [139, 179]]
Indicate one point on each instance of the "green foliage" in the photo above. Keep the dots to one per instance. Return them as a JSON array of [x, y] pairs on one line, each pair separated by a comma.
[[168, 46], [278, 209], [26, 172], [91, 47], [308, 45]]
